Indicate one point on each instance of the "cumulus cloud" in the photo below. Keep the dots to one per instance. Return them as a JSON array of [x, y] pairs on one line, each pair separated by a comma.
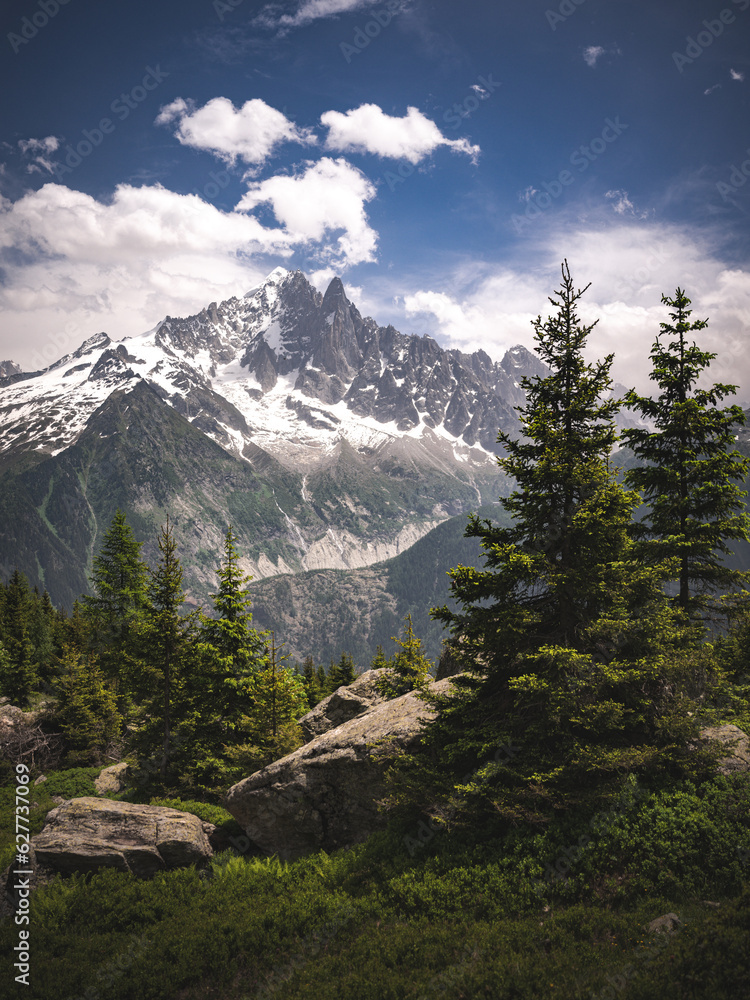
[[736, 75], [308, 11], [76, 265], [368, 129], [322, 198], [592, 54], [37, 151], [250, 133], [629, 265]]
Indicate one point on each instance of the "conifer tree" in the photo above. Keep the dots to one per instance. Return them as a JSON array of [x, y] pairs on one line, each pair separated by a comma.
[[341, 673], [380, 660], [410, 667], [315, 692], [20, 678], [217, 695], [689, 470], [564, 632], [87, 709], [119, 581], [165, 638]]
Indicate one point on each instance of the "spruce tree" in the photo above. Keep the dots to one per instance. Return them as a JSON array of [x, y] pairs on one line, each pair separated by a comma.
[[86, 710], [165, 640], [20, 678], [217, 694], [563, 632], [410, 667], [689, 470], [341, 673], [119, 581]]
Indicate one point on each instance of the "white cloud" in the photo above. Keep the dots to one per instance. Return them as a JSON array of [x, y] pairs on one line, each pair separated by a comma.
[[736, 75], [710, 90], [592, 54], [80, 265], [367, 129], [622, 203], [38, 150], [629, 264], [250, 133], [324, 197], [309, 11]]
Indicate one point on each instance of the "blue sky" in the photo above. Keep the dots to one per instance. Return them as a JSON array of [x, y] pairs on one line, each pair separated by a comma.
[[441, 158]]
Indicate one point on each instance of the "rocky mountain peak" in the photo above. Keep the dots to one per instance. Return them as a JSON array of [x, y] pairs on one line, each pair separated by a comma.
[[8, 368]]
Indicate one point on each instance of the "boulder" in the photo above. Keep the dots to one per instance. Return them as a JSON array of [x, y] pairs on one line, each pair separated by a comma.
[[112, 779], [325, 794], [735, 743], [667, 924], [89, 833], [346, 702]]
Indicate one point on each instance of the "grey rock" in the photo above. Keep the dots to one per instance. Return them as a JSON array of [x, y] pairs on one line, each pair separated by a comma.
[[667, 924], [88, 833], [735, 743], [325, 795], [112, 779], [346, 702]]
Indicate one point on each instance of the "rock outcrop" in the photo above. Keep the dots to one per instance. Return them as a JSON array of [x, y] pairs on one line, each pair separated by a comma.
[[325, 794], [112, 779], [89, 833], [737, 745], [346, 702]]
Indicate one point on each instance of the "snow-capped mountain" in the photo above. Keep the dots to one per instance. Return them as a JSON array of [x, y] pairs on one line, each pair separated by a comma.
[[286, 369], [324, 438], [8, 368]]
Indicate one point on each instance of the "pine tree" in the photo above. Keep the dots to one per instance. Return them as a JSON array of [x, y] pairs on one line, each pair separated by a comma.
[[87, 709], [689, 470], [279, 699], [231, 632], [410, 667], [41, 633], [119, 581], [564, 632], [341, 673], [380, 661], [20, 678], [315, 692], [165, 640], [217, 695]]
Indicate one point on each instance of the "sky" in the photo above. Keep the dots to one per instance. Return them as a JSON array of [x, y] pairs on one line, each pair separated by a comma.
[[443, 159]]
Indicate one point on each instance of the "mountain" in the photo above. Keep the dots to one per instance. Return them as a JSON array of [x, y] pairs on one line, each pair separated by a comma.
[[328, 441], [8, 368]]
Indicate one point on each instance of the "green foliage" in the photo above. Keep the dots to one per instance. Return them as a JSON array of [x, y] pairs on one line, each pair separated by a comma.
[[688, 475], [19, 676], [566, 633], [341, 673], [462, 914], [164, 644], [410, 667], [119, 580], [86, 710]]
